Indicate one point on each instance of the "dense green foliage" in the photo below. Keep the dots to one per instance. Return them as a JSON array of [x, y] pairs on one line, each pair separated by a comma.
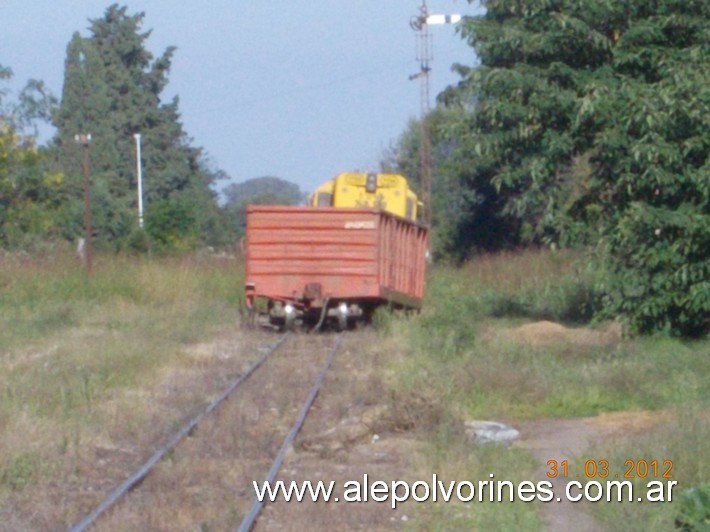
[[588, 122], [263, 191], [112, 90], [695, 508], [29, 195], [452, 199]]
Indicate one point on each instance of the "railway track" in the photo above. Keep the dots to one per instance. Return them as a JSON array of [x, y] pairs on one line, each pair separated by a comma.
[[225, 447]]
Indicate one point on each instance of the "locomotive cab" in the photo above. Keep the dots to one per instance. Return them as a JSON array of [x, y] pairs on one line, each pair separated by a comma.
[[387, 192]]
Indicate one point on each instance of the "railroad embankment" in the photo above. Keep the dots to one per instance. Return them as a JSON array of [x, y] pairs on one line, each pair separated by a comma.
[[96, 372]]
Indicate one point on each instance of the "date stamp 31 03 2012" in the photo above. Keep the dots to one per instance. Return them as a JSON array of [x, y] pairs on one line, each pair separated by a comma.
[[631, 469]]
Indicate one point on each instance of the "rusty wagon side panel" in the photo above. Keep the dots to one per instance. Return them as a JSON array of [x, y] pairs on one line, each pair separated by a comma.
[[306, 255]]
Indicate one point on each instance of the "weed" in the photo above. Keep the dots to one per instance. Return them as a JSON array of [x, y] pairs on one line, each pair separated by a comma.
[[684, 441], [694, 511], [454, 457], [20, 472]]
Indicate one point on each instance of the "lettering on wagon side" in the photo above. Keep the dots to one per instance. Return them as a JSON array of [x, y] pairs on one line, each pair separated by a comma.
[[367, 224]]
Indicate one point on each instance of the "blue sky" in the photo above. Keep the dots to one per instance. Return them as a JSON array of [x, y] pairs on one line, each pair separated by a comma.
[[297, 89]]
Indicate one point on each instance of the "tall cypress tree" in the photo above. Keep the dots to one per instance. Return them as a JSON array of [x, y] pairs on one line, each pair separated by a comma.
[[112, 89]]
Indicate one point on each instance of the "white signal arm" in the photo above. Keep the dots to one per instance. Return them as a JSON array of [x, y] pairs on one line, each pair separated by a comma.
[[443, 19]]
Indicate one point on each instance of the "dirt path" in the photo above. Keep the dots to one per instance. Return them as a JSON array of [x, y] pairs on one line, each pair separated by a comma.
[[560, 439], [568, 439]]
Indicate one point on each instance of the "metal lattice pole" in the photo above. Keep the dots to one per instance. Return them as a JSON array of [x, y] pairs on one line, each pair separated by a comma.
[[424, 55]]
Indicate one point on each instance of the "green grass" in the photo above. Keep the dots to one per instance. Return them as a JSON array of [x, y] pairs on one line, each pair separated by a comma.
[[460, 347], [459, 360], [21, 471], [454, 458], [540, 285], [684, 441], [67, 341], [112, 328], [42, 297]]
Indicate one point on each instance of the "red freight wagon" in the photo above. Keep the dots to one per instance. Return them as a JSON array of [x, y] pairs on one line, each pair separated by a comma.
[[311, 263]]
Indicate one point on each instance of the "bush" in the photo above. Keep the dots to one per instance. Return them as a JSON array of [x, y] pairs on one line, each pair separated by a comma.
[[660, 271], [138, 241], [694, 509], [172, 224]]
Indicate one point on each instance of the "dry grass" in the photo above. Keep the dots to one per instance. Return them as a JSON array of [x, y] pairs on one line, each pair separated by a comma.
[[97, 372], [89, 369]]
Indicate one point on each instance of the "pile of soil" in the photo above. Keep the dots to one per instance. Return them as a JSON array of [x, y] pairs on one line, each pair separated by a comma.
[[544, 333]]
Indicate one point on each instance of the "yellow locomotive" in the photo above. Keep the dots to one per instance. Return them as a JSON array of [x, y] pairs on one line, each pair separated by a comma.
[[388, 192]]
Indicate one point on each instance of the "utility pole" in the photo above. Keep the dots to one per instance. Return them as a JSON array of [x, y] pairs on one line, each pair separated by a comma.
[[139, 173], [420, 24], [85, 140]]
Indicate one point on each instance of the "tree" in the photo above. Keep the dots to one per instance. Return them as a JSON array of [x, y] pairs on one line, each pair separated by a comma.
[[518, 149], [112, 89], [591, 125], [29, 196], [651, 177], [453, 202], [265, 190]]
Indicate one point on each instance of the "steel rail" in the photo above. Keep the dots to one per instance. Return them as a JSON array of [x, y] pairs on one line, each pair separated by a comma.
[[257, 505], [146, 468]]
